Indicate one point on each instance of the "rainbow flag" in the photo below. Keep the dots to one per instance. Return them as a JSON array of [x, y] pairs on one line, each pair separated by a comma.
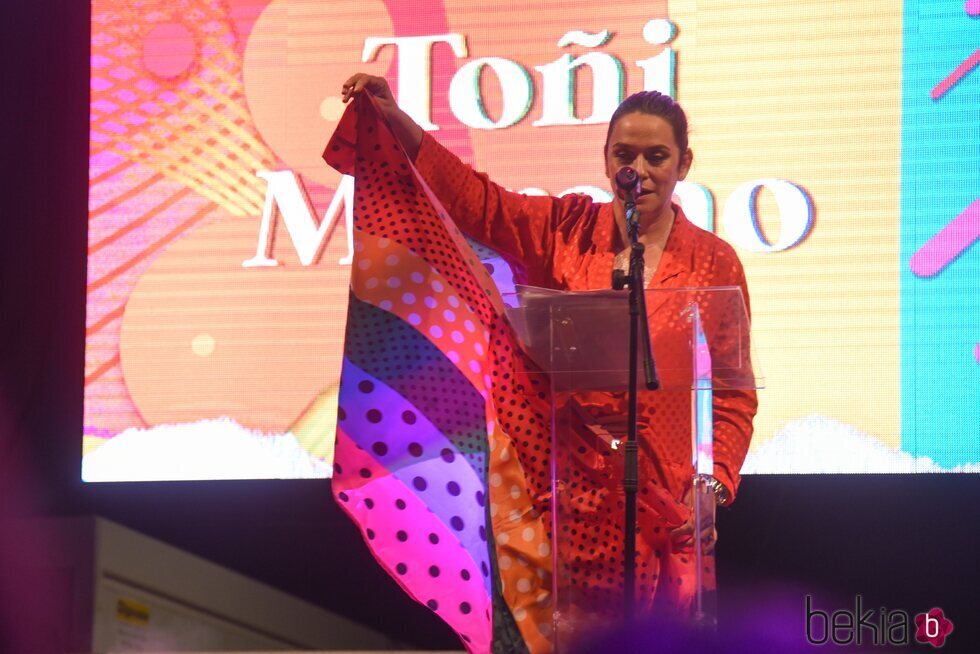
[[412, 451]]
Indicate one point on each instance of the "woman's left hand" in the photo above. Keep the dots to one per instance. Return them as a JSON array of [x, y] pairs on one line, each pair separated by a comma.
[[682, 536]]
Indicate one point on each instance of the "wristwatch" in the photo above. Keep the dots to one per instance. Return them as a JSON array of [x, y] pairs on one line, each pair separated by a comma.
[[722, 496]]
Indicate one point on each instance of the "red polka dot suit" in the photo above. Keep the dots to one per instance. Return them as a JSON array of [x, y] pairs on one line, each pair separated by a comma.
[[571, 243]]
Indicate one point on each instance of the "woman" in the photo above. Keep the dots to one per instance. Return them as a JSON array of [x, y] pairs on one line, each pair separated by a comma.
[[574, 243]]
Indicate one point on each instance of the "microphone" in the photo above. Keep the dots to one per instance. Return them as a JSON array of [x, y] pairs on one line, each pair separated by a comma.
[[628, 181]]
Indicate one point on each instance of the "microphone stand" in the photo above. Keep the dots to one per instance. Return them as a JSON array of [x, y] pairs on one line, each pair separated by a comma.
[[639, 325]]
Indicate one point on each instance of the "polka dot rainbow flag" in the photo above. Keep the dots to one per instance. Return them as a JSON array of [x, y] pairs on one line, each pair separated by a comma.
[[414, 442]]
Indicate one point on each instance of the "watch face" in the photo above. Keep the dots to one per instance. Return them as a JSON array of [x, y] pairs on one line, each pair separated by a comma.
[[940, 224]]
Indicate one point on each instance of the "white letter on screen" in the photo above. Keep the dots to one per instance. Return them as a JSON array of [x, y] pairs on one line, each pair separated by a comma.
[[659, 71], [741, 219], [698, 205], [466, 101], [558, 94], [415, 70], [285, 192]]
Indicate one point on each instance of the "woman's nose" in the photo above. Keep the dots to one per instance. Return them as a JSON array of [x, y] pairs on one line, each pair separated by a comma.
[[640, 165]]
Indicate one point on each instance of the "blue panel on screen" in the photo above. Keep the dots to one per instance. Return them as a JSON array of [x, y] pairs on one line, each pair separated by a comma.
[[940, 262]]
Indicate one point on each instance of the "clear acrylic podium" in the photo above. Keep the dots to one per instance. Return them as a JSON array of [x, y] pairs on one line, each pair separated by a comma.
[[701, 346]]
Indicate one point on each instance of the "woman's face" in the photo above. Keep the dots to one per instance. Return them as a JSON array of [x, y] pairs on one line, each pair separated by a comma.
[[646, 143]]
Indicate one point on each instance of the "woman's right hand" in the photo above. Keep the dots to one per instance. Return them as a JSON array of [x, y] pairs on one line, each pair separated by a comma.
[[376, 86], [406, 129]]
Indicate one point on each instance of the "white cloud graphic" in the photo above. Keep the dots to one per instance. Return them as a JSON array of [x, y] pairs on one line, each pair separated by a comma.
[[823, 445], [207, 449]]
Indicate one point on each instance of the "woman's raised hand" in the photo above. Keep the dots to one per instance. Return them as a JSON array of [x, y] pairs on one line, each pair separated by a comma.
[[406, 129], [376, 86]]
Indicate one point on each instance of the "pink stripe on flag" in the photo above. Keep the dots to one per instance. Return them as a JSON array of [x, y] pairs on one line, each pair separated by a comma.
[[416, 548]]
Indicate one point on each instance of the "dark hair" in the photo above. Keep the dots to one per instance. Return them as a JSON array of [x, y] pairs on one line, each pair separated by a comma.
[[653, 103]]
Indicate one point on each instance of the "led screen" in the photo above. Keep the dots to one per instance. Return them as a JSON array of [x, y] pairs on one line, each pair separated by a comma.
[[836, 147]]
